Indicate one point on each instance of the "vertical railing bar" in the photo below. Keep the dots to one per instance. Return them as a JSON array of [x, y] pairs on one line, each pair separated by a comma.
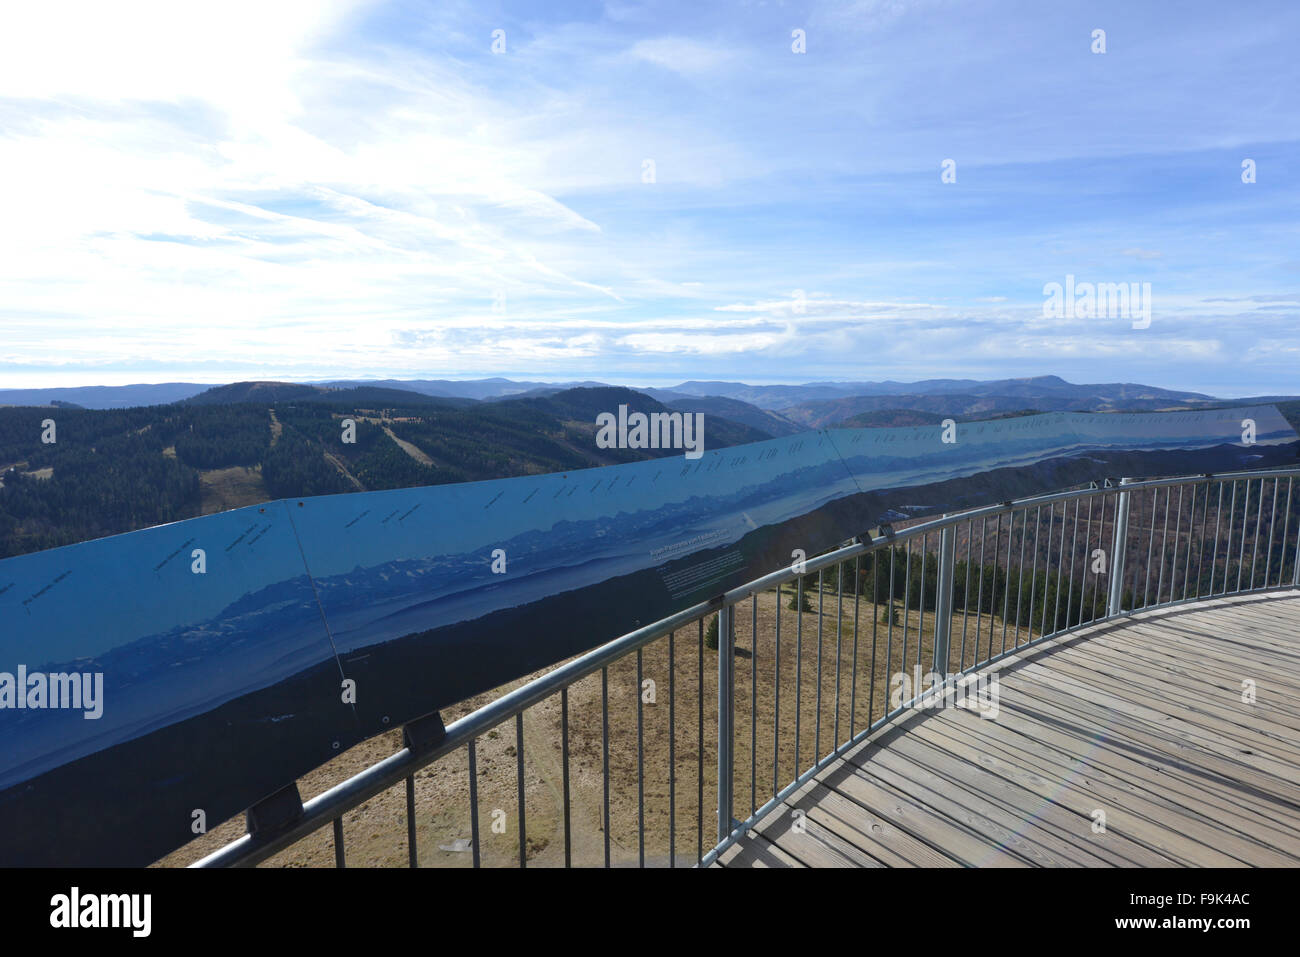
[[1102, 544], [776, 707], [1295, 562], [1272, 527], [519, 762], [907, 603], [1178, 541], [1051, 521], [1151, 540], [564, 760], [875, 615], [821, 604], [1241, 558], [1227, 550], [753, 703], [1254, 548], [1214, 558], [1286, 528], [979, 599], [965, 601], [1033, 577], [798, 671], [853, 686], [1135, 534], [604, 750], [726, 726], [699, 775], [1200, 552], [1164, 545], [889, 630], [1074, 553], [1119, 551], [1060, 560], [943, 600], [1006, 600], [340, 856], [839, 648], [412, 854], [640, 759], [1087, 561], [472, 748], [1187, 554], [672, 749], [993, 598], [920, 601]]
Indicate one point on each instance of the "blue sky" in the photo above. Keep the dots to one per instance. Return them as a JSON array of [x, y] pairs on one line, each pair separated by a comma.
[[308, 190]]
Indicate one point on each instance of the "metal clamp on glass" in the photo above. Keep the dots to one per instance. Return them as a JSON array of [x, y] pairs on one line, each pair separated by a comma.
[[424, 733], [271, 815]]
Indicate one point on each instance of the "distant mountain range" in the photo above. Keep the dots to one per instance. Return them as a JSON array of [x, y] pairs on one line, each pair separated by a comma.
[[773, 409]]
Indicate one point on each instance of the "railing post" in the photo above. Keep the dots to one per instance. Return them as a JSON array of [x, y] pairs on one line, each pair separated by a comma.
[[726, 733], [1118, 548], [943, 601], [1295, 571]]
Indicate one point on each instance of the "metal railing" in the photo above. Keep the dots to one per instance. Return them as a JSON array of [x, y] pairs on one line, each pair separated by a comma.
[[948, 594]]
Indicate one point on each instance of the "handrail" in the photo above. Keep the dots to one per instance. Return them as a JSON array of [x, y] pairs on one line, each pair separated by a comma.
[[332, 804]]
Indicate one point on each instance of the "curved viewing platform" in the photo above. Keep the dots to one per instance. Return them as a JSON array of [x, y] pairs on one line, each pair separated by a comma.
[[1131, 743], [1103, 676]]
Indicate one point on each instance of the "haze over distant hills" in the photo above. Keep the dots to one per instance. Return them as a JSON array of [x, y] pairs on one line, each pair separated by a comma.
[[775, 409]]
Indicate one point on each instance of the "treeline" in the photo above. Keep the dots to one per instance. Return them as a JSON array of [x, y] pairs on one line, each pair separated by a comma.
[[1043, 598], [116, 470], [120, 484], [1030, 598]]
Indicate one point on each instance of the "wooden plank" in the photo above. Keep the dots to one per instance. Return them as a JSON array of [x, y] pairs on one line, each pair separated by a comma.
[[1174, 725], [1066, 825], [873, 833], [1156, 656], [1159, 824], [933, 783], [1194, 701], [1096, 760], [960, 843], [1099, 719], [1225, 642], [1252, 739], [808, 841], [753, 850]]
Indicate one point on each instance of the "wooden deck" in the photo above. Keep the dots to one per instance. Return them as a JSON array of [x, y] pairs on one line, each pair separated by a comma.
[[1141, 719]]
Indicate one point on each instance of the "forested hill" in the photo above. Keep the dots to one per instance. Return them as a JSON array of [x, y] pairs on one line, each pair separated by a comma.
[[115, 470]]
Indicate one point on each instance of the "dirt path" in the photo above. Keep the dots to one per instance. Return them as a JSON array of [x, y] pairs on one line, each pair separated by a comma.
[[335, 461], [276, 428], [412, 450]]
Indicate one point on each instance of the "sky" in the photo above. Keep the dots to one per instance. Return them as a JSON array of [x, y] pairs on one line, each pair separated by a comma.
[[647, 193]]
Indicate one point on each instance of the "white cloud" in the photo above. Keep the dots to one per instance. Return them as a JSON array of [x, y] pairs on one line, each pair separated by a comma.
[[686, 55]]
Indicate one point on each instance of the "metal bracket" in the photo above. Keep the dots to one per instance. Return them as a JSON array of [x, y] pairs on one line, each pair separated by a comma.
[[274, 814], [424, 733]]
